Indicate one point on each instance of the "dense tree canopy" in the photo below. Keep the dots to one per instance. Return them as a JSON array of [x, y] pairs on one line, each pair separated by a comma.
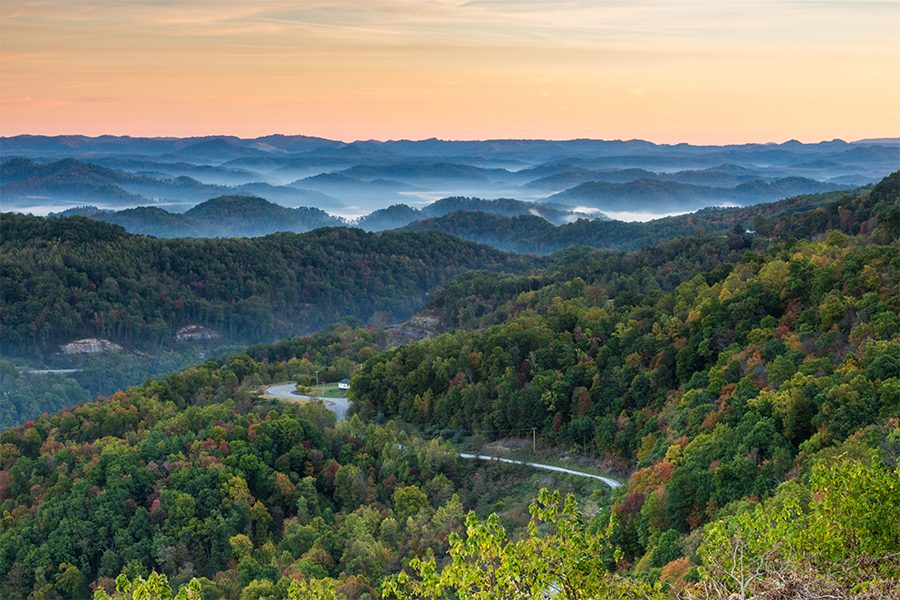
[[68, 278], [750, 386], [715, 391], [190, 477]]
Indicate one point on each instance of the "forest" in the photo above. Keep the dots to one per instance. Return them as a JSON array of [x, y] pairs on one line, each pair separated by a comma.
[[747, 365], [527, 233], [194, 476], [64, 279], [745, 387]]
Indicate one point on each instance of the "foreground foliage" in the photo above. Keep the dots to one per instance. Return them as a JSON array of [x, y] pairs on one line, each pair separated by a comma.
[[837, 536], [154, 587], [558, 556]]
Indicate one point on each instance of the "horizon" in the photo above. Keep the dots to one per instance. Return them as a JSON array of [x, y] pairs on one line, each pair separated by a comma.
[[434, 138]]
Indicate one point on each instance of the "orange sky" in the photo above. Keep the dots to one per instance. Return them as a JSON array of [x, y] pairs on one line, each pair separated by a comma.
[[700, 71]]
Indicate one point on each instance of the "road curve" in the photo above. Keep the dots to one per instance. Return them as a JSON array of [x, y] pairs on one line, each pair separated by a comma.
[[610, 482], [340, 406], [288, 391]]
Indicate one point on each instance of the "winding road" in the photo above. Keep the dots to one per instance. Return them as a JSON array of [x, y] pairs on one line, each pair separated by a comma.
[[288, 391], [608, 481], [340, 406]]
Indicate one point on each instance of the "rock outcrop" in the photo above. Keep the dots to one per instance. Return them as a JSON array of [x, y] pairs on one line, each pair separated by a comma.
[[194, 333], [424, 324], [90, 346]]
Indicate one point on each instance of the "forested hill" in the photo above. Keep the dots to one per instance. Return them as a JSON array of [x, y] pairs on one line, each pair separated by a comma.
[[64, 279], [475, 300], [507, 225], [224, 216], [759, 378], [751, 388], [797, 216]]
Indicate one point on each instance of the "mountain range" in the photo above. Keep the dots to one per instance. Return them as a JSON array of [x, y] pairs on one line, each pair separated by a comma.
[[251, 216], [40, 174]]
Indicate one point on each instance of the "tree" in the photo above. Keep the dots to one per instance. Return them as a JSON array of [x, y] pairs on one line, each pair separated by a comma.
[[408, 501], [558, 557], [154, 587], [349, 486], [71, 582], [840, 536]]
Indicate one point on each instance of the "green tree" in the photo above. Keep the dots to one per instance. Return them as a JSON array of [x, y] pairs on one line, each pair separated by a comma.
[[408, 501], [559, 556], [154, 587], [71, 582], [349, 486], [841, 535]]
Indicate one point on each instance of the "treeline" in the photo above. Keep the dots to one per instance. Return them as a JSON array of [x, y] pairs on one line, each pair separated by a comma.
[[64, 279]]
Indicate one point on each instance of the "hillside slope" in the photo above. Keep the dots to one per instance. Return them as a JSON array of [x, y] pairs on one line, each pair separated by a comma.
[[751, 387], [98, 281], [716, 390]]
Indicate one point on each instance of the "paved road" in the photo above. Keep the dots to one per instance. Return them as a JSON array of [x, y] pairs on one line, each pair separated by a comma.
[[339, 406], [610, 482], [288, 391]]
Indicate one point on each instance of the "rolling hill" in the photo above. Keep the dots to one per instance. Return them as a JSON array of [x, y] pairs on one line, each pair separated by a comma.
[[744, 389], [655, 195], [137, 290], [224, 216]]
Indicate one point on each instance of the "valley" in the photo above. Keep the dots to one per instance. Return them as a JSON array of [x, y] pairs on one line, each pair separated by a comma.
[[340, 406], [727, 363]]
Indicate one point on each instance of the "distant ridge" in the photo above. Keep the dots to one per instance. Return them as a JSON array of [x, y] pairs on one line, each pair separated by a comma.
[[252, 216], [884, 140], [224, 216], [357, 178]]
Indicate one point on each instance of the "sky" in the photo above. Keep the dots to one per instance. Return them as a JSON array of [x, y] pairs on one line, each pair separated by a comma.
[[696, 71]]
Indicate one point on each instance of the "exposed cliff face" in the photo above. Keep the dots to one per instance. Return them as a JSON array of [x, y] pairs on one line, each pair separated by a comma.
[[194, 333], [424, 324], [90, 346]]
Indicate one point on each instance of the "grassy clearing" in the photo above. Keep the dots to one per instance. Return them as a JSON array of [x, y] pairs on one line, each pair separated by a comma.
[[325, 390], [328, 390]]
